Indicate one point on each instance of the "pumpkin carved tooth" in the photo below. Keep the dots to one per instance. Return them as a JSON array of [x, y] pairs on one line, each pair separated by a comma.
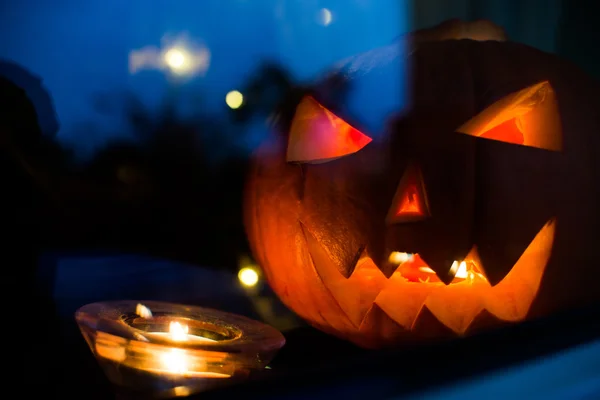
[[412, 296], [356, 294], [456, 305], [511, 298]]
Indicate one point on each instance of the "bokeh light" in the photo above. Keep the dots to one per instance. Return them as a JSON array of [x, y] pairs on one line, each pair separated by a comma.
[[248, 276], [234, 99], [179, 56], [175, 58]]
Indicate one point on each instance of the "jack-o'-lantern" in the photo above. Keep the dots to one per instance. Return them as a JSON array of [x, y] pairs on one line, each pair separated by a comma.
[[476, 207]]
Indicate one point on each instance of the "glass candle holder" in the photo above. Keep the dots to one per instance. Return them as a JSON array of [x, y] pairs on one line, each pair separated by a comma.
[[164, 349]]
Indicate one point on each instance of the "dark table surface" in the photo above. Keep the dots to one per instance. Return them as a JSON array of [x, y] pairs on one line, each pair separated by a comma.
[[555, 358]]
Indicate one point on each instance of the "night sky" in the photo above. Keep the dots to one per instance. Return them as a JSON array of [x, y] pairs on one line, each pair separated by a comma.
[[82, 50]]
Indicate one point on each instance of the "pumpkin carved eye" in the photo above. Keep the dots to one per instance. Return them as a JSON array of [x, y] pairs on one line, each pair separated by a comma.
[[317, 135], [528, 117], [410, 201]]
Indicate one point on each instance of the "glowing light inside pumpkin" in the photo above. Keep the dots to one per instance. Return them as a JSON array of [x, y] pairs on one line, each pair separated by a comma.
[[459, 270], [508, 132], [410, 203], [397, 257], [462, 270], [414, 269], [528, 117]]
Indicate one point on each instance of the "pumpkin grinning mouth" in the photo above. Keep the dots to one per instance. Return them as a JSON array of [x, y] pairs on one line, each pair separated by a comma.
[[405, 293]]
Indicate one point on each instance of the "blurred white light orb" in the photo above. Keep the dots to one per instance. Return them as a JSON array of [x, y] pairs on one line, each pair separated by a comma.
[[234, 99], [248, 276], [175, 58], [179, 56]]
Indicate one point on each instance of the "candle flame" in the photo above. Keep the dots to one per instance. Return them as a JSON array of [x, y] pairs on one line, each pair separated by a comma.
[[178, 331], [459, 270], [397, 257], [462, 272]]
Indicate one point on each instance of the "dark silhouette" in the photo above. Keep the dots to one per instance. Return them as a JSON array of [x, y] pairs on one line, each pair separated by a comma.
[[174, 201], [23, 147], [38, 96], [174, 192], [29, 158], [578, 34]]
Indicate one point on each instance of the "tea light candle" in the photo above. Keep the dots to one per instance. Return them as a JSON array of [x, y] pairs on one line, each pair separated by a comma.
[[160, 353]]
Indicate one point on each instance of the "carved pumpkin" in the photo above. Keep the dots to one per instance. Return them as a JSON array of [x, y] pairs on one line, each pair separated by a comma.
[[476, 207]]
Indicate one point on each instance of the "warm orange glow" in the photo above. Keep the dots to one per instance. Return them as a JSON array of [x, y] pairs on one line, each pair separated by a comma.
[[507, 132], [175, 361], [462, 272], [317, 135], [178, 331], [410, 201], [397, 257], [414, 269], [403, 296], [248, 276], [165, 359], [529, 117]]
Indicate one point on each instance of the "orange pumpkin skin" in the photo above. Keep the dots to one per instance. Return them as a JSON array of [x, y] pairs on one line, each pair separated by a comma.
[[319, 231]]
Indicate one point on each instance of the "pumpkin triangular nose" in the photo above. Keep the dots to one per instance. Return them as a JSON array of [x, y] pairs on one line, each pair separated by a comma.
[[410, 200], [411, 203]]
